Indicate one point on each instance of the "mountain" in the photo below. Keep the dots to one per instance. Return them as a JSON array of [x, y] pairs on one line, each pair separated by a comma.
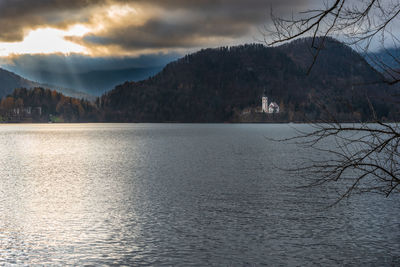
[[226, 85], [10, 81], [218, 85], [387, 62], [389, 57], [93, 82], [335, 60]]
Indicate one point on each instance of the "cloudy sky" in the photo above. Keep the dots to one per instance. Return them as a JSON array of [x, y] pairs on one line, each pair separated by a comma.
[[129, 27], [156, 30]]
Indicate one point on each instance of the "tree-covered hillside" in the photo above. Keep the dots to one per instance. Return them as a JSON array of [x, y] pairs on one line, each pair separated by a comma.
[[216, 85], [44, 105], [226, 85]]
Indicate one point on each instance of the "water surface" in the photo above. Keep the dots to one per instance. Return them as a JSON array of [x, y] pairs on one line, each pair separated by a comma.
[[177, 194]]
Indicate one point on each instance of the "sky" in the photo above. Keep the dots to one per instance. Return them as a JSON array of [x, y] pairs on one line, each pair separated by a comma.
[[86, 35], [131, 33]]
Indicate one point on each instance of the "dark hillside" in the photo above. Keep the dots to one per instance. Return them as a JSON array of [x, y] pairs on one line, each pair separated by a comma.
[[9, 81], [216, 85]]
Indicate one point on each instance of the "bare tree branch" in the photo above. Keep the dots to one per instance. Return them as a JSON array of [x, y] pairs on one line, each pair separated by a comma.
[[362, 157], [357, 23]]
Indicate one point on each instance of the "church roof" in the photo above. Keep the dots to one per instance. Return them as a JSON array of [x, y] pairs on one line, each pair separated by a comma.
[[273, 104]]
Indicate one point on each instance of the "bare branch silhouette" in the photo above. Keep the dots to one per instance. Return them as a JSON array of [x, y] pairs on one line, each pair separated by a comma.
[[363, 157], [358, 23]]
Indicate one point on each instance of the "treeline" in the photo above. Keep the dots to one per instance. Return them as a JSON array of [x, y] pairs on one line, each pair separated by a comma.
[[208, 86], [216, 85], [44, 105], [226, 85]]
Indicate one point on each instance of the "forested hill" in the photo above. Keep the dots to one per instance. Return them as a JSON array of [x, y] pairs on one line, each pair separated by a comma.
[[335, 61], [45, 105], [10, 81], [218, 85]]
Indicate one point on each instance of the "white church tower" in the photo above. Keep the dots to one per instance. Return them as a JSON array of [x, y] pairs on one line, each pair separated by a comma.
[[264, 104]]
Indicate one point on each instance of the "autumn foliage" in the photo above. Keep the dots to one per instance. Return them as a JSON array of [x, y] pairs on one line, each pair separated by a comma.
[[45, 105]]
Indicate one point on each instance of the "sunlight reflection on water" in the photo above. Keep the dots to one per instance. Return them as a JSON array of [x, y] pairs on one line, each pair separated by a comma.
[[174, 194]]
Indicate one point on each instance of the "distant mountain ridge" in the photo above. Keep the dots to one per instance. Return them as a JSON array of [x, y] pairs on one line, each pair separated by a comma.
[[94, 82], [10, 81], [389, 57], [216, 85], [226, 85]]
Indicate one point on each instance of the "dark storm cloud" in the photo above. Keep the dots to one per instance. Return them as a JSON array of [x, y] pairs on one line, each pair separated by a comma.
[[164, 34], [181, 23], [190, 24]]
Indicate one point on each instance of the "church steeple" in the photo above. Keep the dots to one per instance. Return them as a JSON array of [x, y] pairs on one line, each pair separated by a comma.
[[264, 104]]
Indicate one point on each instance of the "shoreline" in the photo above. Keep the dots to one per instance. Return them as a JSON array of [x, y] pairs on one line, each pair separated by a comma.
[[169, 122]]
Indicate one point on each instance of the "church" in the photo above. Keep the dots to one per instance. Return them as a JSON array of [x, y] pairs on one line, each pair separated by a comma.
[[273, 107]]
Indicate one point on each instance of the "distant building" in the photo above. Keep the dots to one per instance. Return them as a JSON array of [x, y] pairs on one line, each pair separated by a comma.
[[27, 111], [273, 108], [264, 104], [22, 111]]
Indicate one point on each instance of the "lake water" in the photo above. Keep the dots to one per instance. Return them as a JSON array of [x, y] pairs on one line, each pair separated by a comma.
[[177, 194]]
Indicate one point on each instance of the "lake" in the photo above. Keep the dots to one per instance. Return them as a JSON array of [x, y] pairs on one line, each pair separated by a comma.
[[178, 194]]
